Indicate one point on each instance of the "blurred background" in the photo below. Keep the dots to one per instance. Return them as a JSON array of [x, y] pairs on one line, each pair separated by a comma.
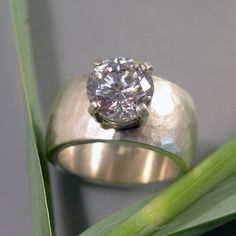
[[191, 43]]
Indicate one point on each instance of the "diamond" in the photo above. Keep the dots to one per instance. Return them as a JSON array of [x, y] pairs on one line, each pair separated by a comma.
[[117, 87]]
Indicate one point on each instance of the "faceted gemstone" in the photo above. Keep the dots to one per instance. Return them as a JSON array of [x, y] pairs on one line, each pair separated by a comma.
[[119, 85]]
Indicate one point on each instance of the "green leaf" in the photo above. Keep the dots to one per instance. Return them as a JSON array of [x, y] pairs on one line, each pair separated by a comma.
[[199, 218], [199, 201], [112, 221], [37, 167], [214, 209]]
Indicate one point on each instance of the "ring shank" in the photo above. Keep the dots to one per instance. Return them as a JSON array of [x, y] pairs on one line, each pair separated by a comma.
[[141, 155], [117, 163]]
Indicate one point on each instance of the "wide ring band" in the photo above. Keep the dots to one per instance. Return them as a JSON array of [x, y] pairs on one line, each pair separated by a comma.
[[158, 150]]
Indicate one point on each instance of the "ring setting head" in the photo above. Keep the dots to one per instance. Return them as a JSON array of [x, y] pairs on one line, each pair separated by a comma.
[[120, 90]]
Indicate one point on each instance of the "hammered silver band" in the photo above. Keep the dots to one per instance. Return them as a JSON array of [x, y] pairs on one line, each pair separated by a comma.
[[158, 150]]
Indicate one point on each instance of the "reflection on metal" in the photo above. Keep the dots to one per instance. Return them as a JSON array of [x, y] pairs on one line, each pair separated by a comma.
[[96, 157], [148, 168], [164, 101], [132, 156]]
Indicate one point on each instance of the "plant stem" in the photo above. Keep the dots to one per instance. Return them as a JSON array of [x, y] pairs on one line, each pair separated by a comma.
[[219, 166], [42, 216]]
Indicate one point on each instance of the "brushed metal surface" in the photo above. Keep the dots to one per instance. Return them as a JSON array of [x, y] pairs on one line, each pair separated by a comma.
[[156, 151]]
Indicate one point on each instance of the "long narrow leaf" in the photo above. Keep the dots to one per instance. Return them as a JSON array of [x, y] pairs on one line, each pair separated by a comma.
[[37, 168], [215, 208], [184, 208]]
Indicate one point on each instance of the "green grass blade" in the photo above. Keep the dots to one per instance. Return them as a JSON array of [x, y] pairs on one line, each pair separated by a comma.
[[201, 229], [215, 208], [37, 167], [199, 218], [108, 223], [197, 202]]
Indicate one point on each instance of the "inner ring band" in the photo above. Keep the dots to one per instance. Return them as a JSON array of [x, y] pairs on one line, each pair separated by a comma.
[[158, 150]]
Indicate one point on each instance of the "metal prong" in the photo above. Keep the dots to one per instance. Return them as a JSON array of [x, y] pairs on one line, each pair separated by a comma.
[[147, 66], [98, 62], [93, 108], [143, 112]]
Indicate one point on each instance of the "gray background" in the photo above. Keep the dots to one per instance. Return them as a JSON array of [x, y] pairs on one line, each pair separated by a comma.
[[192, 43]]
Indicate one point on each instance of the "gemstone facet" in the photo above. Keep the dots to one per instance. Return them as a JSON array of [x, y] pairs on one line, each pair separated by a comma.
[[117, 88]]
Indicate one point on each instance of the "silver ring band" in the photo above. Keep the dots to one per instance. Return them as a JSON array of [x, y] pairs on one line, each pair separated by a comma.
[[158, 150]]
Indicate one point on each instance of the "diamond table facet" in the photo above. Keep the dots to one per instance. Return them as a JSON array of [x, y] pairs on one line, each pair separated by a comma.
[[117, 87]]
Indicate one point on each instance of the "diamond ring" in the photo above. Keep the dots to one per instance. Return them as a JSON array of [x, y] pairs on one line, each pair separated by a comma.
[[121, 124], [119, 91]]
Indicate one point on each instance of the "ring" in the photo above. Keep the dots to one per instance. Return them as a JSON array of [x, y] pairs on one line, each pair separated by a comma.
[[122, 125]]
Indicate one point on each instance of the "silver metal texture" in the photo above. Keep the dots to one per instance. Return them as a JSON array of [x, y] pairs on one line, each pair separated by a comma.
[[158, 150]]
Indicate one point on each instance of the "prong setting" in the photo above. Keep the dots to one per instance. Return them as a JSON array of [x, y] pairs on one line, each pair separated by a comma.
[[147, 66], [94, 108], [119, 91], [98, 62]]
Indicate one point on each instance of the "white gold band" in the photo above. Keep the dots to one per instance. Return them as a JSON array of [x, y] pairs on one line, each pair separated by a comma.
[[156, 151]]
